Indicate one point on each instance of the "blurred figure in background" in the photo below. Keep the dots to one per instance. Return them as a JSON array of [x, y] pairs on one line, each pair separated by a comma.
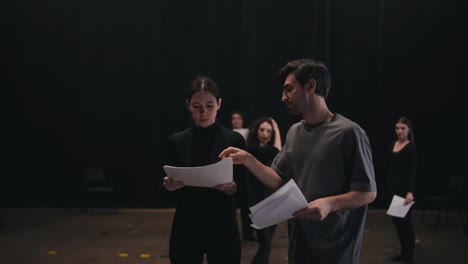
[[237, 123], [263, 142]]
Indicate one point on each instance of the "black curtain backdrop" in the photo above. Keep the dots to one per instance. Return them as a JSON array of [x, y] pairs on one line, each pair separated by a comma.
[[101, 83]]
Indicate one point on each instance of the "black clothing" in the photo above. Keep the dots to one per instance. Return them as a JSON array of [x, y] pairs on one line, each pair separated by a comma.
[[401, 175], [265, 155], [242, 199], [401, 172], [205, 219], [406, 234], [243, 204], [257, 192]]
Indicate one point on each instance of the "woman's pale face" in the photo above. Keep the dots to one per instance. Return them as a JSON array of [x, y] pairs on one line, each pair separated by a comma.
[[402, 131], [203, 106], [264, 133]]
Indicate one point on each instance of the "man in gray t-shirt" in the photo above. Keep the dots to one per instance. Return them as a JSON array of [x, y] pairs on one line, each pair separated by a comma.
[[330, 159]]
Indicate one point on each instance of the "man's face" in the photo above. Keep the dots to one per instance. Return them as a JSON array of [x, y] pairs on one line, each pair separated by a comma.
[[237, 121], [294, 95]]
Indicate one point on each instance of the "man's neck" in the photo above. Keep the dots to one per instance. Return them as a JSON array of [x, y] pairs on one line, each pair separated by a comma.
[[318, 114]]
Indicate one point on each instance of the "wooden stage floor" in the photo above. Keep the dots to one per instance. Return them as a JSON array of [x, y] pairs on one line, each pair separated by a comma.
[[71, 235]]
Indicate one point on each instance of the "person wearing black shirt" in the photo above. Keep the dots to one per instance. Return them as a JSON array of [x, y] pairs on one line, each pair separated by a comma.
[[205, 219], [401, 175], [263, 142]]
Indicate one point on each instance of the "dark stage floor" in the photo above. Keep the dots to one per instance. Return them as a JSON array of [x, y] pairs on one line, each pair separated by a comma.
[[56, 235]]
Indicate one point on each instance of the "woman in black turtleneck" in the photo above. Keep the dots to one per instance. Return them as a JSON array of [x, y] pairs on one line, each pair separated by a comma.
[[205, 219]]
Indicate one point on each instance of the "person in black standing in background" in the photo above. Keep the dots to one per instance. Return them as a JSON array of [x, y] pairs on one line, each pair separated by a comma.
[[205, 220], [401, 175], [242, 196], [263, 142]]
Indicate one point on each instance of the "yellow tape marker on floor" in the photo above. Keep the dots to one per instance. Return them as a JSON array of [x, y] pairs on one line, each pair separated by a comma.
[[123, 255], [145, 255], [52, 252]]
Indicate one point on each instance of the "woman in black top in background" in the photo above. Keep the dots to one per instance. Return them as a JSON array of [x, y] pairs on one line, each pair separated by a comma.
[[263, 142], [205, 218], [401, 175]]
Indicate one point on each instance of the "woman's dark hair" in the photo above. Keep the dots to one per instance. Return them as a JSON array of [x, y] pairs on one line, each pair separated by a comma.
[[306, 69], [407, 122], [203, 83], [252, 137]]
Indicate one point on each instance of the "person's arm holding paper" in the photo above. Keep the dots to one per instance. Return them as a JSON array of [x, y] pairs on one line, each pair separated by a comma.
[[218, 176], [171, 184], [264, 173], [409, 198], [320, 208], [168, 182], [227, 188]]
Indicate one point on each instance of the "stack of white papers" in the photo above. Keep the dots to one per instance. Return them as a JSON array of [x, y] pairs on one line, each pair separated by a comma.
[[397, 207], [203, 176], [278, 207]]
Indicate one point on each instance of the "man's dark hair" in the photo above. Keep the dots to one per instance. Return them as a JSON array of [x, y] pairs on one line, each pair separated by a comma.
[[306, 69]]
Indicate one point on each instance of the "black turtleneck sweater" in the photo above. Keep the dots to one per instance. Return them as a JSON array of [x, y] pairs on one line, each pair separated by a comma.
[[201, 213]]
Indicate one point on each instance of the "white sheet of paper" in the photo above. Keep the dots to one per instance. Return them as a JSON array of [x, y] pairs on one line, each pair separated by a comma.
[[397, 207], [278, 207], [203, 176]]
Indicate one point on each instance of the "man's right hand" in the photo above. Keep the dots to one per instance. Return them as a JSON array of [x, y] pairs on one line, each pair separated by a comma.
[[238, 156], [264, 173]]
